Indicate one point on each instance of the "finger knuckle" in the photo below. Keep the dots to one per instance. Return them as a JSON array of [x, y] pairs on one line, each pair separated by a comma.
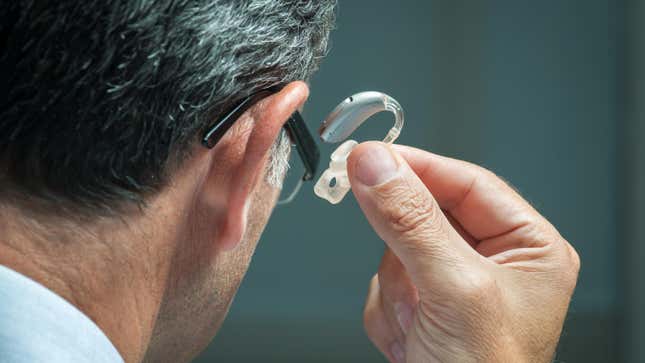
[[575, 258], [573, 262], [472, 167], [370, 316], [482, 174], [370, 309], [409, 210], [535, 234], [487, 176]]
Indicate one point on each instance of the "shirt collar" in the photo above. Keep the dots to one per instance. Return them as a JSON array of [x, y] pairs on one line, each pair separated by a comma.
[[36, 325]]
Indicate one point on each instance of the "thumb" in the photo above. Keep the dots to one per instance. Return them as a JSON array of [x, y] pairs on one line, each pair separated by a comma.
[[406, 216]]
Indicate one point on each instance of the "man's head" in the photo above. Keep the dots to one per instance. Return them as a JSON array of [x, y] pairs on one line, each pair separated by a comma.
[[102, 107]]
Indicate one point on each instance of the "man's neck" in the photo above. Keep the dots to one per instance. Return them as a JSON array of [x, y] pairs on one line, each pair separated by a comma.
[[105, 274]]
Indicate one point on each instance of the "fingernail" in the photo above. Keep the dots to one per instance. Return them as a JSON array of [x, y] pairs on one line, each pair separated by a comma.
[[397, 352], [403, 313], [376, 166]]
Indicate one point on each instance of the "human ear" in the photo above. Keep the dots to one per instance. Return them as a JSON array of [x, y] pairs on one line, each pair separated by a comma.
[[267, 118]]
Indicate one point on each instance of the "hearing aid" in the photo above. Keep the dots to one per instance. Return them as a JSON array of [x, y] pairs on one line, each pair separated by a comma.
[[334, 184]]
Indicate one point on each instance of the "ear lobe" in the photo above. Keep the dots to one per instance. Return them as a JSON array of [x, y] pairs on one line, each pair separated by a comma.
[[268, 117], [234, 226]]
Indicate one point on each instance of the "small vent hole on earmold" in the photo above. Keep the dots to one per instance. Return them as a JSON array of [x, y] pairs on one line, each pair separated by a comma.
[[332, 182]]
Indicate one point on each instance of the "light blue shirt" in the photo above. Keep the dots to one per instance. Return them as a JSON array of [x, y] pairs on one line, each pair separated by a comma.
[[36, 325]]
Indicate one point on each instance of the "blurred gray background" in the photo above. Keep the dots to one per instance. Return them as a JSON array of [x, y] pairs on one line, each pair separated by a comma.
[[545, 93]]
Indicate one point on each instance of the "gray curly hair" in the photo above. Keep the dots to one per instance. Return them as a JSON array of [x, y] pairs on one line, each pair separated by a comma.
[[102, 97]]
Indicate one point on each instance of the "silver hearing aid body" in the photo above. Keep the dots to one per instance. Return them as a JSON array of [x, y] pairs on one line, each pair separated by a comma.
[[333, 185]]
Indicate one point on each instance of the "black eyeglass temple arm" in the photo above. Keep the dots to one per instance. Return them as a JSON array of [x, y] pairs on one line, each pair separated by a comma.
[[305, 144]]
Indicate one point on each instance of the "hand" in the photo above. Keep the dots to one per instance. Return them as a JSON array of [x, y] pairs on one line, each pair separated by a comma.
[[471, 272]]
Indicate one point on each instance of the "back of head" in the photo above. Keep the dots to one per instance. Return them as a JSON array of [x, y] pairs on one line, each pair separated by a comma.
[[102, 99]]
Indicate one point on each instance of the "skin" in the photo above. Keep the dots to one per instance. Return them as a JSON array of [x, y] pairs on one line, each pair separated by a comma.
[[159, 280], [472, 272]]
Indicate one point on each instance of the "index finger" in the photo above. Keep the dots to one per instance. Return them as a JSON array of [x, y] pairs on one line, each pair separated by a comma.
[[481, 202]]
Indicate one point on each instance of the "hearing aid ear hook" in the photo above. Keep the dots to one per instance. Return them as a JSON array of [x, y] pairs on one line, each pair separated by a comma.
[[333, 185]]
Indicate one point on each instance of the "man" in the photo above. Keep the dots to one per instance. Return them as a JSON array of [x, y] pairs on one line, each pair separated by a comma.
[[123, 238]]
